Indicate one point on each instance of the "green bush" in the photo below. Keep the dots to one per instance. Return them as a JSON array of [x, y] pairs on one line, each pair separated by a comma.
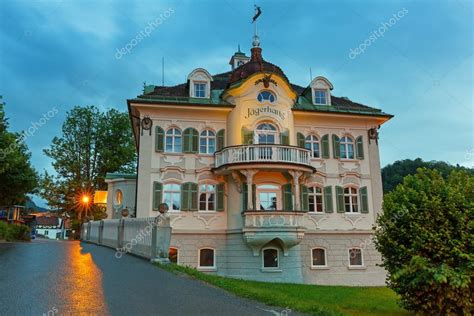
[[425, 236], [11, 232]]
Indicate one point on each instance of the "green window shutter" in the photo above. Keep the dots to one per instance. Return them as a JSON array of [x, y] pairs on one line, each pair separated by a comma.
[[325, 147], [159, 139], [284, 138], [360, 148], [189, 196], [220, 143], [304, 198], [364, 202], [185, 197], [340, 199], [187, 141], [190, 141], [157, 195], [300, 139], [195, 141], [287, 197], [328, 199], [193, 193], [254, 197], [336, 146], [247, 136], [220, 197], [244, 196]]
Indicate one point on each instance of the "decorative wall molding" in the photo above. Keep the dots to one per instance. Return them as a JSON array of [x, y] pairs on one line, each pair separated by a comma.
[[353, 219], [173, 159]]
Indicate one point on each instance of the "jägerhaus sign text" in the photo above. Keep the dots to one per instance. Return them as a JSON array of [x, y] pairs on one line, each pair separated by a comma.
[[265, 110]]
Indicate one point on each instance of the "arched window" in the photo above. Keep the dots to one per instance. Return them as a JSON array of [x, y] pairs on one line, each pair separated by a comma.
[[266, 96], [270, 258], [207, 142], [172, 196], [318, 257], [207, 258], [173, 255], [207, 197], [315, 199], [118, 198], [351, 197], [347, 147], [266, 133], [312, 144], [173, 141]]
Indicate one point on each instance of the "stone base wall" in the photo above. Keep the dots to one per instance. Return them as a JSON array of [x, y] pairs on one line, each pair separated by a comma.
[[235, 259]]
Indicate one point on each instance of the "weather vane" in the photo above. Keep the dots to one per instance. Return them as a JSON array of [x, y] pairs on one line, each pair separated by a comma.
[[256, 40]]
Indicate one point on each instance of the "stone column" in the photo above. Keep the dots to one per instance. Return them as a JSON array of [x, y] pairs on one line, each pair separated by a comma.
[[296, 182], [249, 174]]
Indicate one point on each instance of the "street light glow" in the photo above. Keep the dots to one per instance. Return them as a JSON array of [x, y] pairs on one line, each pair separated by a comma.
[[85, 199]]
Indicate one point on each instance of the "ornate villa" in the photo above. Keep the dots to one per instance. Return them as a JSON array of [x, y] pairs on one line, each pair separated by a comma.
[[264, 179]]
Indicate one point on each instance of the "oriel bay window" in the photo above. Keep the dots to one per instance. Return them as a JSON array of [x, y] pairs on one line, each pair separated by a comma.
[[269, 197]]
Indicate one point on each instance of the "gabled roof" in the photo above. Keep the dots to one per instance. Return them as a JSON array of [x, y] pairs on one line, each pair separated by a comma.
[[179, 94], [47, 221]]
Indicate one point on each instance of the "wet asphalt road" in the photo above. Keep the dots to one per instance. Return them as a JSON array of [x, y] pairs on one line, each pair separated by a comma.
[[71, 278]]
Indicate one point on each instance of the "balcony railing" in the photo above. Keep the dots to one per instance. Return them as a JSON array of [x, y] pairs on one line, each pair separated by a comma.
[[262, 153]]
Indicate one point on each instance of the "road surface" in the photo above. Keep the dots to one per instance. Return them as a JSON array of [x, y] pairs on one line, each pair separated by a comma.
[[48, 277]]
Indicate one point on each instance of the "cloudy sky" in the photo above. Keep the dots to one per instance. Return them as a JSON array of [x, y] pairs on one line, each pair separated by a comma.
[[411, 59]]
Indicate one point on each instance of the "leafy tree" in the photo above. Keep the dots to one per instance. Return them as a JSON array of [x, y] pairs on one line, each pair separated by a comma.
[[17, 176], [393, 174], [425, 235], [92, 143]]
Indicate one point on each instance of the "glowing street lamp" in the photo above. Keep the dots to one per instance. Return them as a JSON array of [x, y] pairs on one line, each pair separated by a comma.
[[85, 199]]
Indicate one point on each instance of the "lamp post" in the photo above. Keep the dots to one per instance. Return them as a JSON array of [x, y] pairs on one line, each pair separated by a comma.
[[85, 201]]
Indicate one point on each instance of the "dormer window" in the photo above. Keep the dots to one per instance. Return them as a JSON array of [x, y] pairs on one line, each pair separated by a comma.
[[320, 97], [200, 83], [199, 90], [266, 96], [321, 88]]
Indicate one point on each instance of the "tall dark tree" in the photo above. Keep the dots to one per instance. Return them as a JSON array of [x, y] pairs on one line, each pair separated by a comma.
[[426, 237], [92, 143], [17, 176], [393, 174]]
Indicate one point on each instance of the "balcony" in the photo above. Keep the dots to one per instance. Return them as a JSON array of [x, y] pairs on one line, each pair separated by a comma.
[[263, 154], [261, 227]]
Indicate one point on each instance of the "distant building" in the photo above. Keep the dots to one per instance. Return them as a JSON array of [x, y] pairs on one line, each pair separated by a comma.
[[265, 179], [52, 226]]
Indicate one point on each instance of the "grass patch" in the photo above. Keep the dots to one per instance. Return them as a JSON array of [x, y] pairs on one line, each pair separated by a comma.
[[310, 299], [10, 232]]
